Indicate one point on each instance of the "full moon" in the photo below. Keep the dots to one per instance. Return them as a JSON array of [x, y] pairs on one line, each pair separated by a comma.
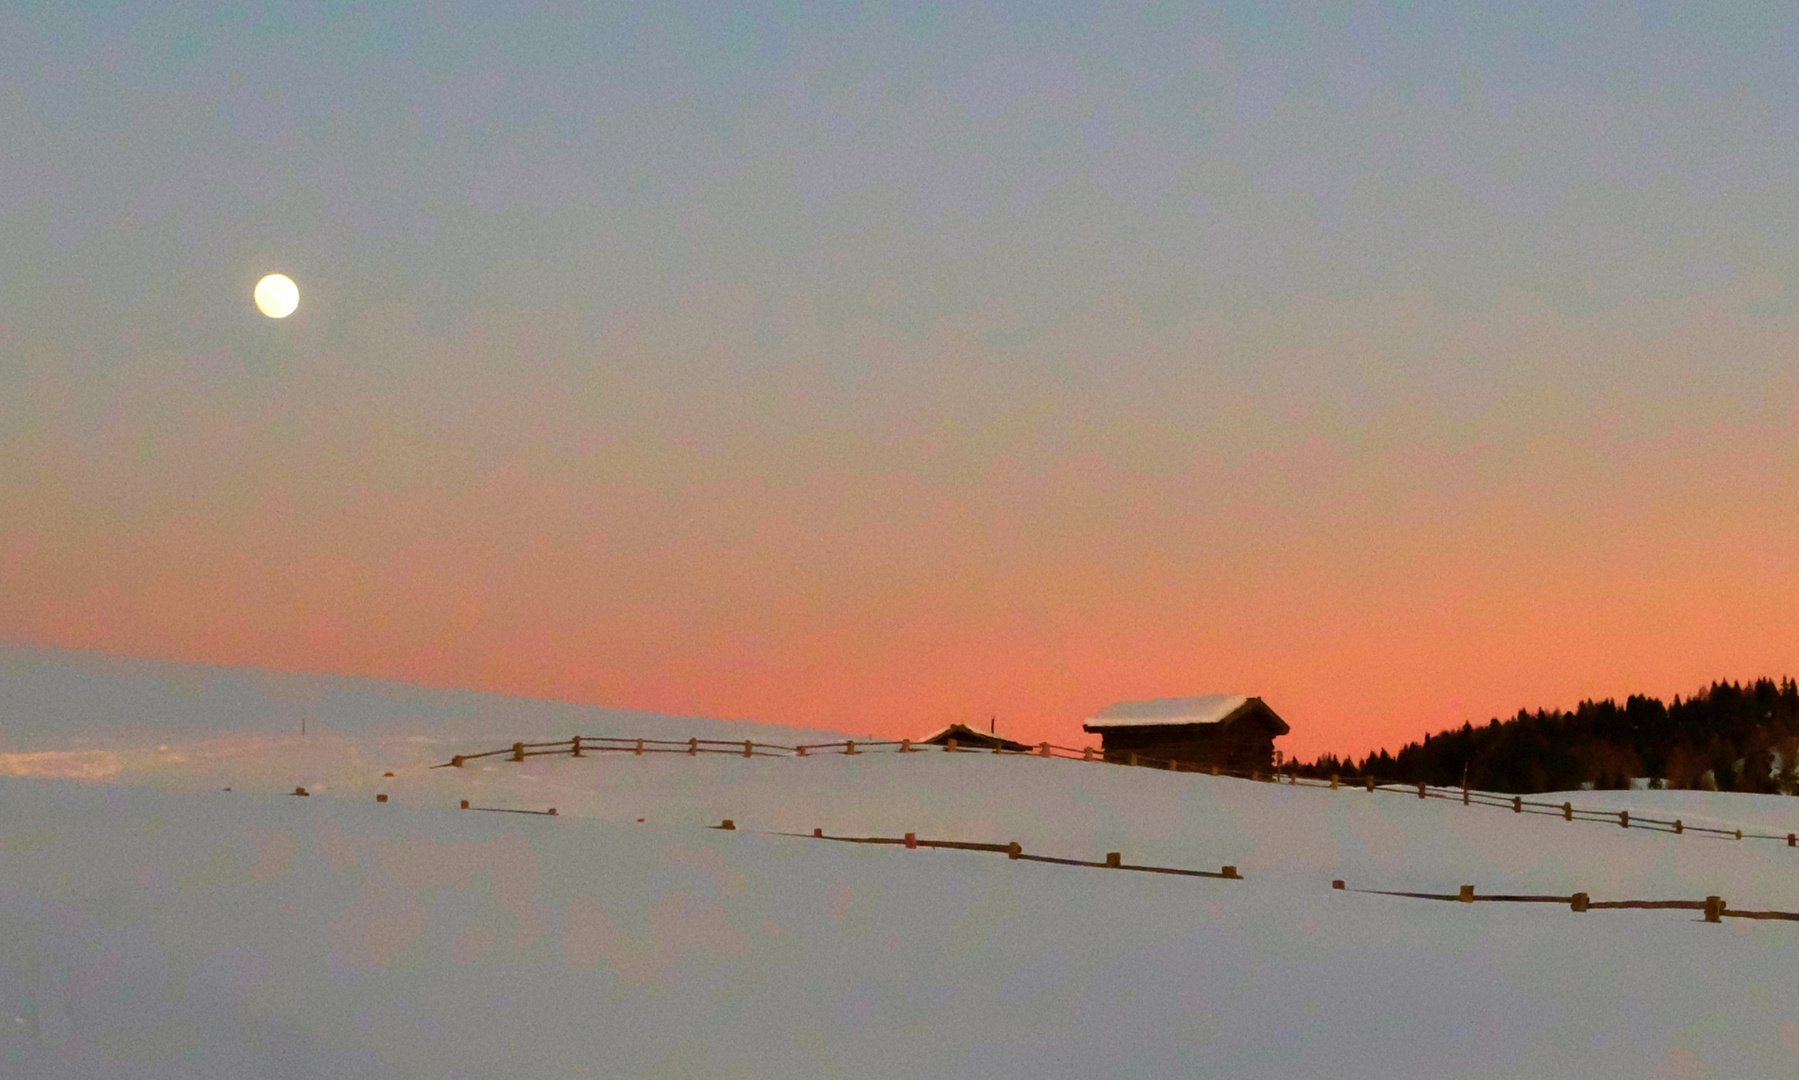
[[277, 296]]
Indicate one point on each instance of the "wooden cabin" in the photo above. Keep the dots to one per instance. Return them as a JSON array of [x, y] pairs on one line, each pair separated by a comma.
[[1233, 732], [968, 738]]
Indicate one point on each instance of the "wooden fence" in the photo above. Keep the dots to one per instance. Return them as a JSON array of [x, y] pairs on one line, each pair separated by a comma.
[[582, 746], [1713, 907]]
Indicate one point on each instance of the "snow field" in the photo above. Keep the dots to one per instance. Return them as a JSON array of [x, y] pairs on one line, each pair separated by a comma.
[[171, 931]]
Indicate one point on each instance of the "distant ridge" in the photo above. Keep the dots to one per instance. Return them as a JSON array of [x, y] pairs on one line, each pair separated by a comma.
[[64, 698]]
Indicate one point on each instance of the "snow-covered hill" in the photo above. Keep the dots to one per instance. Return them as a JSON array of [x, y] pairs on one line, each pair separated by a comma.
[[155, 925]]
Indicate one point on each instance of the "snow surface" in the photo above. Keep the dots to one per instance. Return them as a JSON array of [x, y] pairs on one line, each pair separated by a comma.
[[155, 925]]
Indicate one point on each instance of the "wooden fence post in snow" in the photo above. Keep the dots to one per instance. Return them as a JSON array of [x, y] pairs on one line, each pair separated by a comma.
[[949, 746], [1215, 770], [1013, 851], [1371, 785], [1114, 859], [912, 840], [456, 762], [1792, 839], [518, 751], [1517, 804], [1578, 901], [1714, 909], [849, 747], [577, 746], [1334, 779], [1464, 796], [1624, 818], [747, 748], [1567, 811], [465, 804], [820, 833], [905, 746], [1087, 754], [1231, 873], [1043, 750], [1466, 895], [799, 751], [1421, 789], [693, 747], [1739, 834], [1133, 759], [1678, 827]]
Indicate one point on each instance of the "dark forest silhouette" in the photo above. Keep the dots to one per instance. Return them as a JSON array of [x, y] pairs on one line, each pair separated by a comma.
[[1728, 736]]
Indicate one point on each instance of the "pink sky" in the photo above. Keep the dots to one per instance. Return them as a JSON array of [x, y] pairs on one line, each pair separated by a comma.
[[1372, 578]]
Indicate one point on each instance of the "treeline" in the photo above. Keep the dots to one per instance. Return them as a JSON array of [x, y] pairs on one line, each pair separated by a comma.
[[1728, 737]]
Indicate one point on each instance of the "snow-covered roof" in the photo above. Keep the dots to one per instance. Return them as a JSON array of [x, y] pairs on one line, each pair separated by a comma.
[[1206, 709]]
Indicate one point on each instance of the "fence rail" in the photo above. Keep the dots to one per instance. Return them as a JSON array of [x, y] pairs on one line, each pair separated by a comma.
[[1713, 907], [583, 745]]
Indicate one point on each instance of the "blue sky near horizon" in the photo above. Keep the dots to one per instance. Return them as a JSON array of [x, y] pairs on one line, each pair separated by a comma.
[[976, 347]]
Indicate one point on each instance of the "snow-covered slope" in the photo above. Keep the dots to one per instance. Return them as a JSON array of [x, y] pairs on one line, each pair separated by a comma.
[[168, 928]]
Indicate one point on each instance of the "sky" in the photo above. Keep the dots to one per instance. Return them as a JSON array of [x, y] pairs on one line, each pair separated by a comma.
[[880, 366]]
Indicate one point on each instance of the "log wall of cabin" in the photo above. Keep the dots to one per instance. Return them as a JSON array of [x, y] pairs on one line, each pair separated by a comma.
[[1246, 747]]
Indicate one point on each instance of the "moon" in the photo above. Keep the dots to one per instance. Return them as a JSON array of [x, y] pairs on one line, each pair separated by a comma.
[[277, 296]]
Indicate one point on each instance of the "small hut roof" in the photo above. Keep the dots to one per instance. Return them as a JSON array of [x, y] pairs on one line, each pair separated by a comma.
[[967, 736], [1158, 712]]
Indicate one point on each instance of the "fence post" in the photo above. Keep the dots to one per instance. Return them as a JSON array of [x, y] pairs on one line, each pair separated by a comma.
[[640, 746], [518, 751], [1792, 839], [949, 746], [1678, 827], [1043, 750], [1624, 818], [1567, 811], [1464, 795], [728, 825], [1579, 901], [1133, 759], [1466, 895], [1421, 789], [465, 804], [577, 746], [693, 747], [746, 748], [1216, 771], [819, 833], [1371, 785], [1231, 873], [1714, 909], [380, 798], [1114, 859], [1333, 781], [1087, 754], [849, 747], [456, 762], [1337, 884], [912, 840], [905, 746], [1739, 834], [1013, 851], [799, 751], [1517, 804]]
